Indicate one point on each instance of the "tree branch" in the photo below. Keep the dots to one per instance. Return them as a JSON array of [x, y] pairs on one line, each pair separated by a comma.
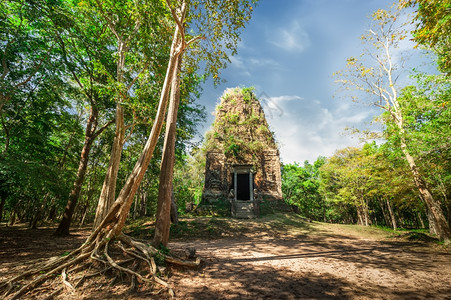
[[105, 126], [109, 21], [132, 126], [195, 39], [179, 21], [63, 47], [136, 77]]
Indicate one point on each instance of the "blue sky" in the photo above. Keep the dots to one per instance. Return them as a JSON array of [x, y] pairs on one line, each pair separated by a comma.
[[288, 52]]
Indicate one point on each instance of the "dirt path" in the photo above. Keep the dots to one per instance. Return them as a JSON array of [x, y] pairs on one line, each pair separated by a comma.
[[318, 263], [314, 261]]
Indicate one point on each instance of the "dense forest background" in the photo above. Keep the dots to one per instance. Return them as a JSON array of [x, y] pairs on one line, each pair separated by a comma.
[[60, 89], [404, 179]]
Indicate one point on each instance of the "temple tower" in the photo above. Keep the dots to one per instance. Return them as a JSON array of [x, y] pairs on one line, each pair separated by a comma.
[[242, 159]]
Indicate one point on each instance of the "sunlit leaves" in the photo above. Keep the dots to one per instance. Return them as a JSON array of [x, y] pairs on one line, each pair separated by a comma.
[[434, 28], [220, 23], [300, 188]]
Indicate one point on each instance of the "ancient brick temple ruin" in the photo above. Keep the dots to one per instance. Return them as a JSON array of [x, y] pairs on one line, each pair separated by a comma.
[[242, 159]]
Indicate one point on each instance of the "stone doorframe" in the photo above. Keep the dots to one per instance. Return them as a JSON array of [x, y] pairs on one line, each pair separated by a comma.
[[243, 169]]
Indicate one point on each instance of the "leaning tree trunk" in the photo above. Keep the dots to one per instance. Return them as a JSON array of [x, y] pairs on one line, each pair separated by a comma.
[[431, 221], [163, 217], [442, 227], [13, 213], [96, 246], [117, 215], [63, 228], [115, 219]]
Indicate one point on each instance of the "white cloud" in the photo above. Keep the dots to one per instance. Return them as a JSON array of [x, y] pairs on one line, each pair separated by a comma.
[[284, 98], [292, 38], [238, 63], [247, 65], [306, 129], [263, 62], [355, 118]]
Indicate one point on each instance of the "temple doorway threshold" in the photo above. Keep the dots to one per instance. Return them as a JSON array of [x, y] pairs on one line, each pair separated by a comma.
[[243, 204]]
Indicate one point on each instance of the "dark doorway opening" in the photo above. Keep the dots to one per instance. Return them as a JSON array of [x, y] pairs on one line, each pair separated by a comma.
[[242, 186]]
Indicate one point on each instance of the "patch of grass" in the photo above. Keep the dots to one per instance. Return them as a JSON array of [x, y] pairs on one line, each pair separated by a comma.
[[65, 253], [182, 228], [140, 228], [420, 236], [277, 224], [159, 259], [219, 208], [410, 234], [398, 230], [270, 207], [200, 227], [384, 228]]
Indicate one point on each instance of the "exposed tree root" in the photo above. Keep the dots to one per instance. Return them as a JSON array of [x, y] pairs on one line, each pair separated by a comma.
[[122, 254]]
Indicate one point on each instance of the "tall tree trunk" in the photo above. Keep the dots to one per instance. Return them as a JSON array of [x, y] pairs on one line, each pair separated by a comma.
[[89, 194], [420, 218], [163, 217], [2, 204], [360, 215], [85, 212], [52, 210], [115, 219], [432, 225], [136, 205], [384, 212], [365, 213], [13, 214], [143, 204], [63, 228], [174, 213], [108, 193], [12, 218], [39, 212], [392, 215], [441, 225]]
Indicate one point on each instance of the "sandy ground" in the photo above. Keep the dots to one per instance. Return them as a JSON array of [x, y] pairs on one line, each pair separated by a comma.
[[324, 265], [318, 261]]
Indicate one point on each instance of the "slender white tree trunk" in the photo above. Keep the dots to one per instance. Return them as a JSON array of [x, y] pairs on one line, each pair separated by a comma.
[[392, 215], [441, 226]]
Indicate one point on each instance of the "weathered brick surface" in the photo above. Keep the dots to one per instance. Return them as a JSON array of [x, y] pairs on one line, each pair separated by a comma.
[[240, 136]]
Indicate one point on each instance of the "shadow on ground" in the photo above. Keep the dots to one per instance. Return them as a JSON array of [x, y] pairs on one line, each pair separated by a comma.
[[18, 243], [273, 258]]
